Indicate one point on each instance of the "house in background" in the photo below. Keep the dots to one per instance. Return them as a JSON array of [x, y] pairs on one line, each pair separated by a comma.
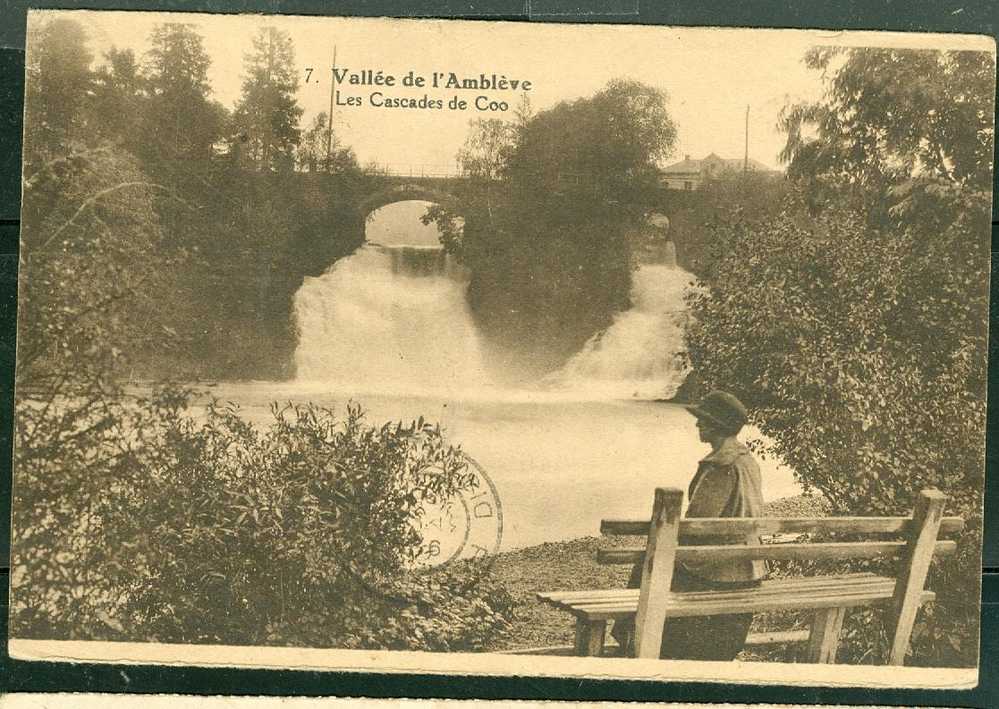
[[691, 174]]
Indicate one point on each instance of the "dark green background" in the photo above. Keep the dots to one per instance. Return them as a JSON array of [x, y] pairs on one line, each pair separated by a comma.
[[971, 16]]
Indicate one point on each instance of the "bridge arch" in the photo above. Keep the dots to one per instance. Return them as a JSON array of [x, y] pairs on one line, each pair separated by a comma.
[[404, 193]]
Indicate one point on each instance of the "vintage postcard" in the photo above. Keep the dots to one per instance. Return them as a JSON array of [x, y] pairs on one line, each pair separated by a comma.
[[502, 348]]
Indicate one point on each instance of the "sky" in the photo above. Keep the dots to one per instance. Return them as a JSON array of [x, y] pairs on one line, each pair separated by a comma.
[[710, 75]]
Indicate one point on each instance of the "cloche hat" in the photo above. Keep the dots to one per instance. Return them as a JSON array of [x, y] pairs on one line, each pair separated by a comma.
[[721, 409]]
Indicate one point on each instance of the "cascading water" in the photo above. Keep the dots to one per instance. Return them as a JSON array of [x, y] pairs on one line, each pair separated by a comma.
[[390, 327], [637, 355], [391, 318]]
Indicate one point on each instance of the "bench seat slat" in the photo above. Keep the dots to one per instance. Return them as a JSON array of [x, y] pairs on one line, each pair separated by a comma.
[[803, 584], [741, 552], [737, 597], [721, 604], [714, 526], [609, 611], [767, 588]]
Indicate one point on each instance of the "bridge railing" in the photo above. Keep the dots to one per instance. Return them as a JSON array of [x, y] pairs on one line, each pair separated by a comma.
[[438, 170]]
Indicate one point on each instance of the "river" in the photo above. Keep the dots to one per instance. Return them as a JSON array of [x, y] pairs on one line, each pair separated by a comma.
[[389, 327]]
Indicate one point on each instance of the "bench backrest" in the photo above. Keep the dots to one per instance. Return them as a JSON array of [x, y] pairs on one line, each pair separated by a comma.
[[667, 528]]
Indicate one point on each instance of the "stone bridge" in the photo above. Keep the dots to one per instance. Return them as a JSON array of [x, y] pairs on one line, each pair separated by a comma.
[[377, 188], [401, 188]]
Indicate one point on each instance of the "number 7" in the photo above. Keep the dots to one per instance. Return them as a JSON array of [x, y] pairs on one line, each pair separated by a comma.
[[308, 73]]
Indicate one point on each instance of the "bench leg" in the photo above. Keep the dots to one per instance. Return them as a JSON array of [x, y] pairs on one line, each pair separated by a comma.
[[823, 639], [590, 637]]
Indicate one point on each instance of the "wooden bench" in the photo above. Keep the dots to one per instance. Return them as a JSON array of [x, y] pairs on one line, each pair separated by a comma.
[[828, 596]]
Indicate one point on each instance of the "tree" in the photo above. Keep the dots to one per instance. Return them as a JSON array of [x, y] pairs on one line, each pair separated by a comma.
[[94, 289], [483, 160], [890, 116], [524, 111], [487, 147], [313, 154], [863, 357], [181, 122], [268, 112], [93, 274], [695, 214], [117, 101], [313, 148], [594, 158], [860, 342], [545, 221], [57, 83]]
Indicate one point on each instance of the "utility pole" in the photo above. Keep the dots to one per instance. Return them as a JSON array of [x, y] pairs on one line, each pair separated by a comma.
[[329, 118], [745, 160]]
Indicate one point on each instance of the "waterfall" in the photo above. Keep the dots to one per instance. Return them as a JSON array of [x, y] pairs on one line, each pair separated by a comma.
[[637, 355], [392, 318]]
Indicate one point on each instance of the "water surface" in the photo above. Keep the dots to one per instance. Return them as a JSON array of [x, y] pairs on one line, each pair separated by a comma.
[[559, 462]]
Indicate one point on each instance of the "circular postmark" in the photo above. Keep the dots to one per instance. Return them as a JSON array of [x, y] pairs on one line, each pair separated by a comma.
[[467, 529], [460, 534]]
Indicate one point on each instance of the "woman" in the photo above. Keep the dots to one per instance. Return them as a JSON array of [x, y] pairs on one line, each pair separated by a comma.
[[727, 484]]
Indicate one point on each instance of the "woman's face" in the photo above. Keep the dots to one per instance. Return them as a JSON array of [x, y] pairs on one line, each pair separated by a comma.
[[705, 431]]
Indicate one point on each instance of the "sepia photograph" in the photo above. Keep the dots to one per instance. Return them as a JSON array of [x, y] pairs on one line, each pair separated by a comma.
[[495, 348]]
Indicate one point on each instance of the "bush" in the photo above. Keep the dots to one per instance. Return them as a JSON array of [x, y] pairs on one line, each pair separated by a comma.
[[694, 214], [149, 523], [858, 351], [862, 354], [854, 322]]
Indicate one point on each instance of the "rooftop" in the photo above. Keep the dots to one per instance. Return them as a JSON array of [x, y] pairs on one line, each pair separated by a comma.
[[687, 165]]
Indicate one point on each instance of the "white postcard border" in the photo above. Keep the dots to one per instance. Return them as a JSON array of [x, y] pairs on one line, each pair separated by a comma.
[[494, 664]]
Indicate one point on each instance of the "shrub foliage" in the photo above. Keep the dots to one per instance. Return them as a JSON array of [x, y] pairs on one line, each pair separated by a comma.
[[150, 523], [853, 323]]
